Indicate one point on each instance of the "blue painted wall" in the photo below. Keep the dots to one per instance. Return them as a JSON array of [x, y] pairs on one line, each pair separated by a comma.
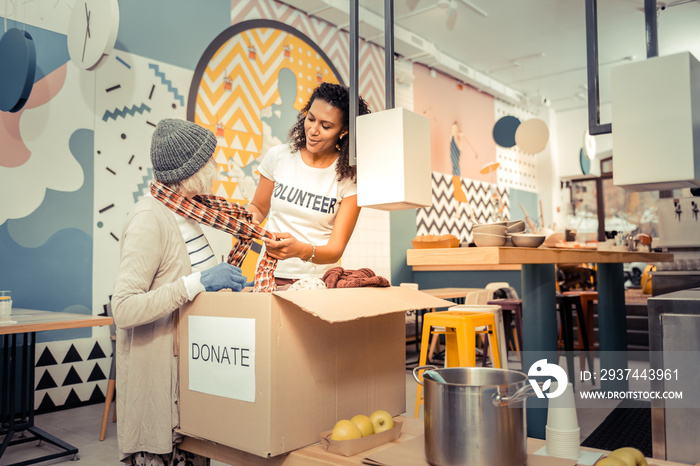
[[175, 32]]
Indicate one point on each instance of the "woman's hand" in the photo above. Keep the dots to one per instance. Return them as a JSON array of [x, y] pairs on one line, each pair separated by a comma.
[[285, 246]]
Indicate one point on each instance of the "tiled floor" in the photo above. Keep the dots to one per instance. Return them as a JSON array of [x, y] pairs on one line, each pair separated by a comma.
[[81, 427]]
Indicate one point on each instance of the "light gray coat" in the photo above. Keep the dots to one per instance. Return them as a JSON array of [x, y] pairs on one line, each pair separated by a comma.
[[147, 292]]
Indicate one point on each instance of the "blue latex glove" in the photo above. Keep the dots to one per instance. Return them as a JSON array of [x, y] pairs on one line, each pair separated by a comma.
[[222, 276]]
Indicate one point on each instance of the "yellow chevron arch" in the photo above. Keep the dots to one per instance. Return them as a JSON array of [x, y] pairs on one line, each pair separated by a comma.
[[236, 79]]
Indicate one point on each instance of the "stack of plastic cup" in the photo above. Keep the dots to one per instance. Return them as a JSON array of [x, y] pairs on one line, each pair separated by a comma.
[[5, 306], [562, 432]]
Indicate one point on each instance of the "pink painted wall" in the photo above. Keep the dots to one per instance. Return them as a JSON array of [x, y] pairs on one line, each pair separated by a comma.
[[441, 100]]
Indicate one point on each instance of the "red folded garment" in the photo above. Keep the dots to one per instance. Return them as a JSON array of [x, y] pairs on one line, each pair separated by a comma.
[[337, 277]]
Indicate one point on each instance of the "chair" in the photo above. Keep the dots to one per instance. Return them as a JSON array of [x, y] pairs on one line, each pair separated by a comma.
[[109, 396], [472, 298], [512, 311], [502, 288], [565, 306], [587, 300], [460, 325]]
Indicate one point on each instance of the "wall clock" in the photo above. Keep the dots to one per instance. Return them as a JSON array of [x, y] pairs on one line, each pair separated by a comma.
[[92, 31], [17, 69]]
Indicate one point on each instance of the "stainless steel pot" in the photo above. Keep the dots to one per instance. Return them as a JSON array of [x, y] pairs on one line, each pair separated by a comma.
[[474, 416]]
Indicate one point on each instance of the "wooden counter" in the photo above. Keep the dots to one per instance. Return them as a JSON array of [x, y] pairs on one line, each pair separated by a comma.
[[30, 320], [315, 455], [467, 258]]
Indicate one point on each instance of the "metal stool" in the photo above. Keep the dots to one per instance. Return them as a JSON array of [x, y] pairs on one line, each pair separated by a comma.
[[587, 300], [461, 327], [565, 306], [512, 310]]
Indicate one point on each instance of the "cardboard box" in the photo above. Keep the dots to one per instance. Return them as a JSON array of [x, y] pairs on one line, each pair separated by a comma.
[[266, 373]]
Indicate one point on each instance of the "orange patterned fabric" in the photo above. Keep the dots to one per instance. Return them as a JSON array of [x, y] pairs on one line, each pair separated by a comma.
[[219, 213]]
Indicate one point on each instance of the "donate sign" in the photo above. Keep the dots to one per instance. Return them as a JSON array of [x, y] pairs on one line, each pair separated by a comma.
[[221, 354]]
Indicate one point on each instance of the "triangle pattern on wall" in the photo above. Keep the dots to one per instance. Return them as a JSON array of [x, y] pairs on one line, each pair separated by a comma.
[[46, 359], [46, 382], [96, 374], [97, 395], [73, 400], [75, 390], [72, 355], [97, 352], [72, 377], [46, 404]]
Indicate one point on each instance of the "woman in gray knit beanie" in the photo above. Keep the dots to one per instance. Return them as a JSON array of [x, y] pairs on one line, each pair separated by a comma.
[[165, 262]]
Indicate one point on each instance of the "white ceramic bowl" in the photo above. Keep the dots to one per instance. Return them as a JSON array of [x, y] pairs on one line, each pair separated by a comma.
[[490, 229], [484, 240], [517, 226], [528, 240]]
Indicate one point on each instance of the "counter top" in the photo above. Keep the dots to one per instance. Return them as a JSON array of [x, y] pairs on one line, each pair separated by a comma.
[[457, 258], [30, 320], [315, 455]]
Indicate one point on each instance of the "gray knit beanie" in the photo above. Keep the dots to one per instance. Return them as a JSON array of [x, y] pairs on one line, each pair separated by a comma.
[[179, 148]]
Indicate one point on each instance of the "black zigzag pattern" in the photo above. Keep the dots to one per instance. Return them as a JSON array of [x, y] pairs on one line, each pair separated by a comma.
[[485, 201]]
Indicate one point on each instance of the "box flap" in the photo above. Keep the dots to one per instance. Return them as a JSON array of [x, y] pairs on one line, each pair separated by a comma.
[[345, 304]]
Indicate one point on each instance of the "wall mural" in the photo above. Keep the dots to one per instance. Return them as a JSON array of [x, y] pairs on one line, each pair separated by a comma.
[[46, 237], [249, 87]]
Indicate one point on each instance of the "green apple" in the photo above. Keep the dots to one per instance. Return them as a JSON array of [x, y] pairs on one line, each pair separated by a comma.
[[364, 423], [381, 420], [631, 456], [345, 430]]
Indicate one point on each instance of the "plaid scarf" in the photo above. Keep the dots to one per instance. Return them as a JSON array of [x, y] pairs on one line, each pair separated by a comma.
[[219, 213]]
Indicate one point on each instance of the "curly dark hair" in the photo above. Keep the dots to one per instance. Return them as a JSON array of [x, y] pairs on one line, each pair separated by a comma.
[[338, 96]]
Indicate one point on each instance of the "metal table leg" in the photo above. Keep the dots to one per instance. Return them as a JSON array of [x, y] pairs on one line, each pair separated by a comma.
[[612, 323], [16, 419], [540, 335]]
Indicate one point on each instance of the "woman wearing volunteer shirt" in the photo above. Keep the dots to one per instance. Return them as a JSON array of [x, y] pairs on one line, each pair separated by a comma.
[[308, 190]]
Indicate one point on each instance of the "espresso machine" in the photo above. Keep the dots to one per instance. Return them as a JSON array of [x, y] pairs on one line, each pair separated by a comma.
[[674, 332]]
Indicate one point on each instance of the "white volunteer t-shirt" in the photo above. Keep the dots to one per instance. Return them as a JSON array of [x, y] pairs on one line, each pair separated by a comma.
[[304, 203]]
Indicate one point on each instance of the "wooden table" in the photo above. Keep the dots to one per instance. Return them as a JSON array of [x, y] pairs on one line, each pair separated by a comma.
[[540, 333], [315, 455], [450, 293], [18, 355]]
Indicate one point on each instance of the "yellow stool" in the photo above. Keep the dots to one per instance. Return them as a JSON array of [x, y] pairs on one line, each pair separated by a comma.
[[461, 328]]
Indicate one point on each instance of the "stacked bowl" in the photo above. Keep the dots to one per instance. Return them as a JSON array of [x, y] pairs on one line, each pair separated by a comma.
[[497, 233], [490, 234]]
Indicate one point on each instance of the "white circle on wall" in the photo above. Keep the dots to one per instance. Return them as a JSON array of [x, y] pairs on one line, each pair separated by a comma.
[[532, 136], [92, 31]]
